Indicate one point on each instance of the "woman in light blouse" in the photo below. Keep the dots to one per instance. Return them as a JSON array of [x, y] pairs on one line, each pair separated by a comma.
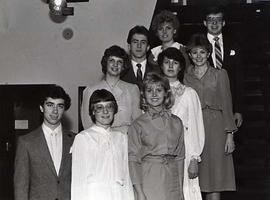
[[114, 62], [100, 156], [187, 107]]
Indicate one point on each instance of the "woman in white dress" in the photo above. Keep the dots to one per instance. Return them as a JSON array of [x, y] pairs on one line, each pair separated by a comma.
[[188, 108], [99, 155]]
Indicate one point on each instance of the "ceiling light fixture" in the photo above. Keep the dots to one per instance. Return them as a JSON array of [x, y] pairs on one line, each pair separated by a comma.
[[60, 8]]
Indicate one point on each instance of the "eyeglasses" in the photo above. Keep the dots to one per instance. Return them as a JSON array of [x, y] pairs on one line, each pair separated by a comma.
[[101, 108], [214, 19]]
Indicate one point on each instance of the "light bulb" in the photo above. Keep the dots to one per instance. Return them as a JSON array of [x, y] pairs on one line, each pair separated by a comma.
[[57, 6]]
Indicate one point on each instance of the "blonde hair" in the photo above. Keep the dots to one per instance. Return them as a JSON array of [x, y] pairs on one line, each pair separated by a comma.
[[155, 78]]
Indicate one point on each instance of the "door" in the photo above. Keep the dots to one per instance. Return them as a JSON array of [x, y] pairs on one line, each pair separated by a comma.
[[19, 114]]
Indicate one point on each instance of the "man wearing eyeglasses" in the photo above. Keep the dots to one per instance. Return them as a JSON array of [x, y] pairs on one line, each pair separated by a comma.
[[43, 159], [225, 55]]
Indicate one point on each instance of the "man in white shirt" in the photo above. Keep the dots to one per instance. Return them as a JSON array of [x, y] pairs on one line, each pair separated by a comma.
[[43, 159], [226, 55], [138, 46]]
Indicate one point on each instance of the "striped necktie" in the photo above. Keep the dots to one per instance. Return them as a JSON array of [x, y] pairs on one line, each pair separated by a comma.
[[139, 74], [218, 53]]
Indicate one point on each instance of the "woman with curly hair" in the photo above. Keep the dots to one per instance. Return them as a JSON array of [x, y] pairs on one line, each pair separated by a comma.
[[166, 26]]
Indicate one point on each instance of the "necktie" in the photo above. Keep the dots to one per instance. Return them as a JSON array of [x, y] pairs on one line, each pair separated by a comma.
[[218, 53], [139, 74]]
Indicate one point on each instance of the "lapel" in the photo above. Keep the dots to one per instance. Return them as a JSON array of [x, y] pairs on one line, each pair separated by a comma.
[[131, 75], [226, 50], [44, 150], [66, 144]]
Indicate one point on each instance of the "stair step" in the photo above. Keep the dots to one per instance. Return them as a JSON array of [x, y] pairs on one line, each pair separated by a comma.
[[254, 93], [251, 99], [258, 173]]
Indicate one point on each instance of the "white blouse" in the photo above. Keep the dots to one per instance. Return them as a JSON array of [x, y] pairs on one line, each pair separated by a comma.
[[158, 49], [100, 166], [187, 107]]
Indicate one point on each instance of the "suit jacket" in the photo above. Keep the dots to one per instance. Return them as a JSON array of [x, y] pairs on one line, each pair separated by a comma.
[[130, 77], [35, 177], [232, 62]]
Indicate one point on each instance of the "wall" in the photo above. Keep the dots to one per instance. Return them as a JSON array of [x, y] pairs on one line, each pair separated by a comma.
[[33, 51]]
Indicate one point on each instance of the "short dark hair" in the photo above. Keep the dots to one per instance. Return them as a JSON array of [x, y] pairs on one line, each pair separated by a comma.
[[114, 51], [199, 40], [175, 54], [214, 10], [152, 78], [55, 92], [165, 16], [100, 96], [138, 30]]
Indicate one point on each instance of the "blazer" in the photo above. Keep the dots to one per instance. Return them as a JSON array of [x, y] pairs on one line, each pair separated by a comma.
[[232, 63], [130, 77], [35, 177]]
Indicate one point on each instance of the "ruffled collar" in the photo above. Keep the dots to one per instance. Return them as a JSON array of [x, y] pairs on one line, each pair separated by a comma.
[[177, 88]]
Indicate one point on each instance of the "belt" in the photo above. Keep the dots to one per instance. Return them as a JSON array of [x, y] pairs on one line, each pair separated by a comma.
[[163, 159], [210, 108]]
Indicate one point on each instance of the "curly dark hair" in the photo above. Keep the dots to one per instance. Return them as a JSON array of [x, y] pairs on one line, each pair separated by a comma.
[[165, 16], [55, 92], [117, 52], [175, 54], [137, 30]]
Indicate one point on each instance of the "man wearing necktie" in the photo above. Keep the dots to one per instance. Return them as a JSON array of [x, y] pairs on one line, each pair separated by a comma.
[[43, 159], [138, 46], [226, 55]]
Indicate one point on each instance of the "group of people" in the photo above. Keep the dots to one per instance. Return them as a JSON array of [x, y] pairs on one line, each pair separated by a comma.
[[158, 126]]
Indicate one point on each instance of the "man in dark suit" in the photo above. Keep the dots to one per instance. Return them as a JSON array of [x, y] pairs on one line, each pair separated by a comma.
[[226, 54], [138, 45], [43, 159]]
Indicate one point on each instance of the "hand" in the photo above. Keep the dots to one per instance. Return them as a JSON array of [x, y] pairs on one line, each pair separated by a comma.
[[193, 169], [238, 118], [229, 144]]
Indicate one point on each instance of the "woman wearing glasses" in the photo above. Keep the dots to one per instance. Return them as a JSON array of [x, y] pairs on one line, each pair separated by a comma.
[[99, 155], [114, 62]]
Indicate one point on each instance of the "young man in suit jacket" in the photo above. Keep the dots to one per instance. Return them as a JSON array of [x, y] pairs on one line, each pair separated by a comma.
[[43, 159], [138, 46], [231, 57]]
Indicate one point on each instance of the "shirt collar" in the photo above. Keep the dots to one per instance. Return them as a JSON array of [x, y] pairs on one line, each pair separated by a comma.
[[155, 114], [211, 38], [143, 63], [47, 130]]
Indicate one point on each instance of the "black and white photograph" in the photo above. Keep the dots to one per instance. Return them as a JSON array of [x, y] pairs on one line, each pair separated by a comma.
[[135, 99]]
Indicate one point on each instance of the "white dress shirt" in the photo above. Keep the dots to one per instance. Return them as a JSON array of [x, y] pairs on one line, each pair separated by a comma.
[[54, 143], [212, 41], [135, 68]]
